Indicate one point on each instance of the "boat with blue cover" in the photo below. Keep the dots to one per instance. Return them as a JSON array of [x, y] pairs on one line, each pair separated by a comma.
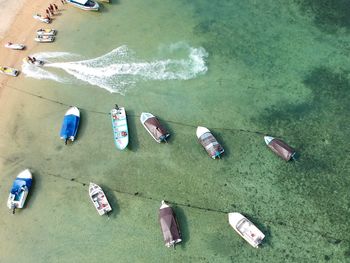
[[20, 190], [120, 127], [70, 124], [85, 4]]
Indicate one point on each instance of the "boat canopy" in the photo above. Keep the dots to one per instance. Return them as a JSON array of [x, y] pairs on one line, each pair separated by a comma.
[[19, 183], [69, 127], [82, 2], [169, 226]]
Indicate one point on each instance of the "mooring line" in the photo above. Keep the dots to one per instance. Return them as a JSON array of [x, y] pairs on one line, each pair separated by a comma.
[[129, 115], [332, 239]]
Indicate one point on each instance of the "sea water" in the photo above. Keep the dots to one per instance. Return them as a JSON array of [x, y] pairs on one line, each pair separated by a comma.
[[242, 69]]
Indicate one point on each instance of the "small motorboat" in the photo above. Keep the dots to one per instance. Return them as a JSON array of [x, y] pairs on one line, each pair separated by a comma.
[[46, 32], [42, 19], [11, 45], [9, 71], [208, 141], [99, 199], [70, 124], [20, 190], [34, 61], [279, 147], [120, 127], [246, 229], [44, 39], [153, 126], [85, 4], [169, 225]]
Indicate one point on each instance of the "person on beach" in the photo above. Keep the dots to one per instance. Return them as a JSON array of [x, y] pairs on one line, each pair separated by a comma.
[[47, 12], [62, 2], [56, 7], [30, 59]]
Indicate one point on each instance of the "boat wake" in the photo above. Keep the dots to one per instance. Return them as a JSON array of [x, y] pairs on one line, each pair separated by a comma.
[[119, 70]]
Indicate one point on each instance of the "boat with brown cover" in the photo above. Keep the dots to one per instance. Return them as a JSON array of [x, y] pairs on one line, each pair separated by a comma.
[[279, 147], [169, 225], [208, 141], [153, 126]]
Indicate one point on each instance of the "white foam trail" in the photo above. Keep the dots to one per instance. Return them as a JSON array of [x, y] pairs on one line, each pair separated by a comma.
[[118, 70]]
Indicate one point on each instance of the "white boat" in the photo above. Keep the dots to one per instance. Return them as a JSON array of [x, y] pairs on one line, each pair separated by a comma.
[[35, 62], [44, 39], [9, 71], [42, 19], [85, 4], [19, 190], [14, 46], [46, 32], [99, 199], [246, 229], [120, 127]]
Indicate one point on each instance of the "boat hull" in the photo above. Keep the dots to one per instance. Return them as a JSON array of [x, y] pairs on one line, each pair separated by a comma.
[[15, 46], [209, 142], [169, 225], [44, 39], [280, 148], [120, 128], [9, 71], [20, 190], [154, 127], [246, 229], [99, 199], [95, 7], [70, 124], [42, 19]]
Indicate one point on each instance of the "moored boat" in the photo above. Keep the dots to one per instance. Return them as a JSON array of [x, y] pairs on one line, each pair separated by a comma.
[[44, 39], [46, 32], [15, 46], [9, 71], [20, 190], [85, 4], [246, 229], [120, 127], [154, 128], [34, 61], [209, 142], [99, 199], [280, 148], [70, 124], [169, 225], [42, 19]]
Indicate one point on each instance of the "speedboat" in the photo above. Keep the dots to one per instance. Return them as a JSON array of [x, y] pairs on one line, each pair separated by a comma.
[[208, 141], [46, 32], [246, 229], [9, 71], [280, 148], [153, 126], [19, 190], [35, 62], [169, 225], [99, 199], [42, 19], [85, 4], [14, 46], [120, 127], [70, 124], [44, 39]]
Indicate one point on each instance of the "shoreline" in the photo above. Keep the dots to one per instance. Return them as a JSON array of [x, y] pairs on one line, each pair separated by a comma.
[[20, 27]]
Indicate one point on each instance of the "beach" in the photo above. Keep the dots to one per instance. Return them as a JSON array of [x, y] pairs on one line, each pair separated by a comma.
[[241, 69]]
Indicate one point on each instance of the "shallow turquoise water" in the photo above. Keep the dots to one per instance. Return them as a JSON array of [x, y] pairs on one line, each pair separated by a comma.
[[276, 67]]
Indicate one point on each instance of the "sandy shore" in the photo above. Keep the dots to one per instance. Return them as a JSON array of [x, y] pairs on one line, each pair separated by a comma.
[[19, 26]]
